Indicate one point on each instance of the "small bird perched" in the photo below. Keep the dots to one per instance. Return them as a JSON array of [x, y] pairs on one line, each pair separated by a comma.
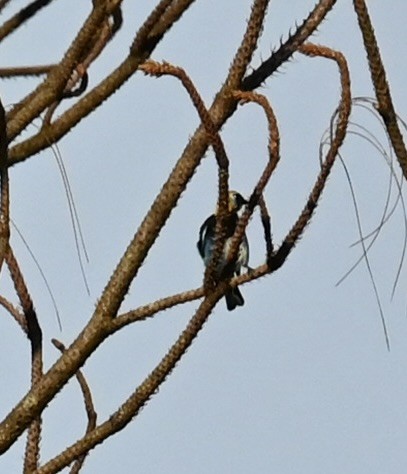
[[206, 244]]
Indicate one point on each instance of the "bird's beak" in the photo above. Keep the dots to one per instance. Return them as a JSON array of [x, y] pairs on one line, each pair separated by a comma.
[[241, 201]]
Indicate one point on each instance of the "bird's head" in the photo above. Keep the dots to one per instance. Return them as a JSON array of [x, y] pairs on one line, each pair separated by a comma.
[[236, 202]]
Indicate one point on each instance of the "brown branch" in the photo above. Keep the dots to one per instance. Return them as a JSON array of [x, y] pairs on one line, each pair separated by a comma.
[[106, 34], [161, 19], [164, 22], [3, 4], [248, 45], [21, 17], [89, 407], [32, 452], [6, 72], [385, 105], [4, 188], [15, 312], [266, 221], [149, 310]]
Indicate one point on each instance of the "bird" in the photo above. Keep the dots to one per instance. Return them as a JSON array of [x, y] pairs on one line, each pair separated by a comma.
[[206, 244]]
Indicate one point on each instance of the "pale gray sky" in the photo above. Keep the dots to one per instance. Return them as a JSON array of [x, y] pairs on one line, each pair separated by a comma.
[[297, 381]]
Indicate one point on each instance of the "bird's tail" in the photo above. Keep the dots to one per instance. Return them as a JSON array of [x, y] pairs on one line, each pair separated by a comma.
[[234, 298]]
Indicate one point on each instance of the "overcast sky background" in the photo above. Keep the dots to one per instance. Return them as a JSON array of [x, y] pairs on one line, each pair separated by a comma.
[[299, 380]]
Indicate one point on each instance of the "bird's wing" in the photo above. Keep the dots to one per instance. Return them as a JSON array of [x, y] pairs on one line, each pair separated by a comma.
[[207, 231]]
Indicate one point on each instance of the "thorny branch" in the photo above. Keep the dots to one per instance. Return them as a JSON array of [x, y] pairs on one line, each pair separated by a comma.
[[287, 49], [69, 79]]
